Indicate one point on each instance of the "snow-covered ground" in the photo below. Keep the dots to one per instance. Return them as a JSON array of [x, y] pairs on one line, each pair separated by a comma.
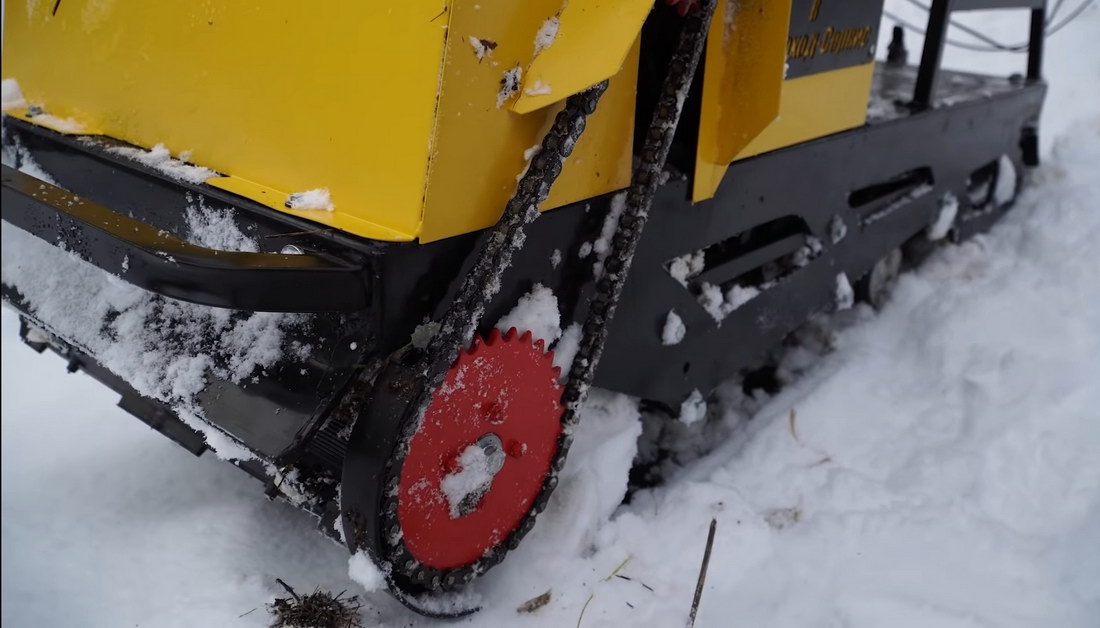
[[940, 467]]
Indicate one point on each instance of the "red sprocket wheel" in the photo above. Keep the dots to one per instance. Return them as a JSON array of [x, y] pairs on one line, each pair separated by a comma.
[[478, 460]]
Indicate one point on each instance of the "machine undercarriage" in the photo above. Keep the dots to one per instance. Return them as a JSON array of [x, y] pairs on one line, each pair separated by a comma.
[[365, 418]]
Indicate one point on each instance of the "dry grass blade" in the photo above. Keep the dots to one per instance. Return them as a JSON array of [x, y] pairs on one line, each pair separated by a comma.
[[583, 608], [617, 569], [289, 589], [629, 579]]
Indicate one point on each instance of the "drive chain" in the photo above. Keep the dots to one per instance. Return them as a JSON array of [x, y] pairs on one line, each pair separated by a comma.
[[481, 284]]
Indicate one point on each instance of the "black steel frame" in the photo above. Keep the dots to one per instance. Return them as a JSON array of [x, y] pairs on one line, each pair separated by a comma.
[[936, 35], [157, 261]]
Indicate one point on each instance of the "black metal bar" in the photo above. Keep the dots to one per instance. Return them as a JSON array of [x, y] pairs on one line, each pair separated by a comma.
[[981, 5], [1035, 43], [157, 261], [751, 260], [930, 58]]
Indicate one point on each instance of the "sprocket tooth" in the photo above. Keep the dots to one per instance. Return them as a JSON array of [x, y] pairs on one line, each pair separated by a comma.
[[540, 345], [494, 336], [526, 337], [474, 344], [465, 355], [510, 335]]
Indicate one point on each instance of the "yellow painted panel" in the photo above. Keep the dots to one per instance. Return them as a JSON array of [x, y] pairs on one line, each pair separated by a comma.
[[478, 148], [276, 199], [283, 94], [816, 105], [810, 106], [593, 39], [743, 77]]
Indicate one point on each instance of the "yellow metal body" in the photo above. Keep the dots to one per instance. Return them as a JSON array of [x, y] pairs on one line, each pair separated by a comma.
[[816, 105], [610, 29], [280, 95], [742, 81], [397, 107], [385, 104], [748, 107], [478, 147]]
